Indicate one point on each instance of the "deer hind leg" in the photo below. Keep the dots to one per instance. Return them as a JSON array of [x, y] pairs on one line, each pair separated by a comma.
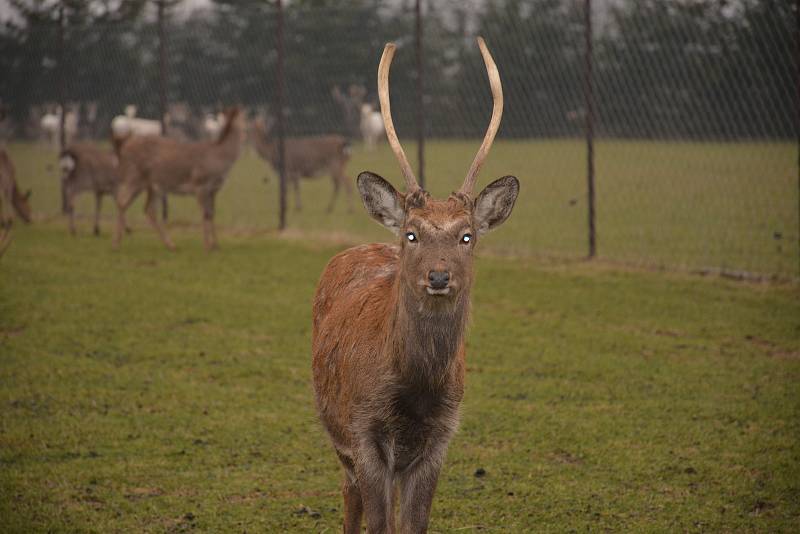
[[98, 200], [206, 201], [342, 178], [126, 194], [152, 216], [335, 193]]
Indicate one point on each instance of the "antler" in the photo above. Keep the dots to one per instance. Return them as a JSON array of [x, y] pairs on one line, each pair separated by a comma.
[[494, 123], [386, 112]]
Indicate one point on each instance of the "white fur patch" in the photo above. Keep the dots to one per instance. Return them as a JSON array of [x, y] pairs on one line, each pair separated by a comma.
[[66, 163]]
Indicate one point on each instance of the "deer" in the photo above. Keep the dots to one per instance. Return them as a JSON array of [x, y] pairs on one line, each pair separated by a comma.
[[87, 167], [350, 105], [307, 157], [161, 165], [123, 126], [371, 126], [50, 125], [389, 324], [11, 200]]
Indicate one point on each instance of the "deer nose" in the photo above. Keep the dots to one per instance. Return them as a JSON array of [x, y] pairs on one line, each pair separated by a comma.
[[438, 279]]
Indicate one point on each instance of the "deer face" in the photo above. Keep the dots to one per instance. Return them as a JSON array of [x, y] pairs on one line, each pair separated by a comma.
[[437, 237]]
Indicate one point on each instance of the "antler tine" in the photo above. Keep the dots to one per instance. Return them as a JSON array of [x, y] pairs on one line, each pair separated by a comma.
[[494, 123], [386, 113]]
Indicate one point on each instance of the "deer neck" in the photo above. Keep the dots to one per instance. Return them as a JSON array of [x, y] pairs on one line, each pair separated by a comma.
[[427, 336], [266, 146], [229, 145]]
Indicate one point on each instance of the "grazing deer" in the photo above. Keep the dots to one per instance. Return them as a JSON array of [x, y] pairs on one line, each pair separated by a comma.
[[160, 165], [307, 157], [11, 200], [389, 323], [87, 167]]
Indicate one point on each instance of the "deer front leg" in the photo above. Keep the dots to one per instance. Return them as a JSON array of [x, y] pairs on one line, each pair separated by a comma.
[[206, 200], [69, 209], [417, 486], [373, 469], [98, 200], [353, 505], [417, 482], [152, 216]]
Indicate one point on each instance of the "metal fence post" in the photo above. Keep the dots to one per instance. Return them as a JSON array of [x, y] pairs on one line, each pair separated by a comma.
[[279, 94], [162, 87], [62, 82], [797, 115], [420, 104], [62, 96], [589, 102]]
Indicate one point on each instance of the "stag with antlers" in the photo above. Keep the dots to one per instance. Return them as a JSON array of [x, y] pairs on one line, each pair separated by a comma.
[[389, 323]]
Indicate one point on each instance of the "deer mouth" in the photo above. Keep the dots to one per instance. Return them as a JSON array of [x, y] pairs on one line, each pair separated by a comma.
[[437, 292]]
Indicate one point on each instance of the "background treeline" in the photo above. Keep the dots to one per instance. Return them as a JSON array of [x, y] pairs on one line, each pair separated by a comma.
[[710, 69]]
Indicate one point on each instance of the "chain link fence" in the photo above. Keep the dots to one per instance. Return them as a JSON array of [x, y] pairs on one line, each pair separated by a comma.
[[694, 108]]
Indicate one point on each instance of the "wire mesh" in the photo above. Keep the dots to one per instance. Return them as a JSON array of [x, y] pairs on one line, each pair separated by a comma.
[[696, 122]]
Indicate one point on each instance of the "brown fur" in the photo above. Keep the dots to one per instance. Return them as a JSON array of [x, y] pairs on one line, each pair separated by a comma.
[[160, 165], [87, 167], [307, 157], [11, 199], [388, 353]]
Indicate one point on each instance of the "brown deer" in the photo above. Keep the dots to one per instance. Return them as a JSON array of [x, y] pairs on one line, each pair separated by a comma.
[[307, 157], [11, 200], [389, 323], [160, 165], [87, 167]]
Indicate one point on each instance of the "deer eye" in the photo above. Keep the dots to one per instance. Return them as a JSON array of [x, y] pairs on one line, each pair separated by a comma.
[[411, 236], [466, 239]]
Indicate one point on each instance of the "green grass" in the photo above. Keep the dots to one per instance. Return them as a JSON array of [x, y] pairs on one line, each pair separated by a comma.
[[690, 206], [147, 391]]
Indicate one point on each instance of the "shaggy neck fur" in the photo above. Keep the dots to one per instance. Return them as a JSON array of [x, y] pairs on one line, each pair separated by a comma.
[[428, 333]]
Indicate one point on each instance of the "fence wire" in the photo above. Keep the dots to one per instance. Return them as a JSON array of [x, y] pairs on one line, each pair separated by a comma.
[[695, 126]]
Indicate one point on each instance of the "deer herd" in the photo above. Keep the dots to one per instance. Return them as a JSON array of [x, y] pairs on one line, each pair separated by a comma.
[[144, 160], [389, 320]]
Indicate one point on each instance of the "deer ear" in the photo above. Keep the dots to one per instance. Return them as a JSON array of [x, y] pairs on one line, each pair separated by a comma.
[[382, 201], [494, 204]]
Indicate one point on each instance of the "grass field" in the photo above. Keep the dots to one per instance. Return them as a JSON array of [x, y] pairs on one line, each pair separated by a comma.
[[147, 391], [691, 206]]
